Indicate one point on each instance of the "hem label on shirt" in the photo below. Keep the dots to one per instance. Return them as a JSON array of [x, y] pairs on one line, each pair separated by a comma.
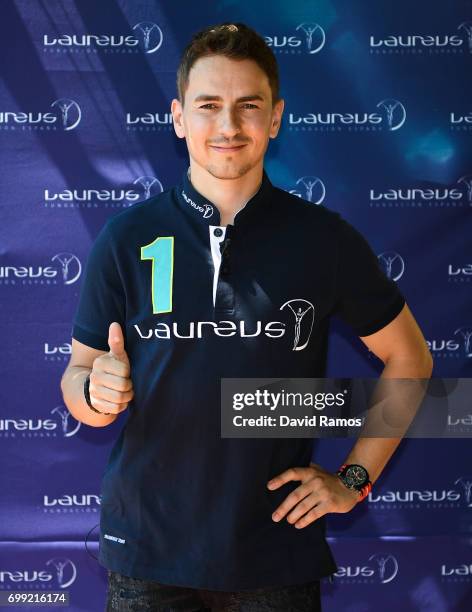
[[107, 536]]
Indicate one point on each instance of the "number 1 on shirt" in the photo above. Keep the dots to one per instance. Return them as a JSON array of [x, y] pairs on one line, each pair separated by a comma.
[[161, 252]]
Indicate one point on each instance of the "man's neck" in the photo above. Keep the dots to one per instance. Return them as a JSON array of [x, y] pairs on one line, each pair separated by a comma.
[[228, 195]]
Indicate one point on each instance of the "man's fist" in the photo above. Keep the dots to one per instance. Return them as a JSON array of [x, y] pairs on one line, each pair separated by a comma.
[[111, 387]]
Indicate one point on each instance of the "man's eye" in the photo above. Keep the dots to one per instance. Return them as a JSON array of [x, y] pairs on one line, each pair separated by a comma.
[[246, 105]]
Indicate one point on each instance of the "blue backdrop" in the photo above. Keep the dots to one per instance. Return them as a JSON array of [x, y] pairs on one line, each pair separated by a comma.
[[377, 125]]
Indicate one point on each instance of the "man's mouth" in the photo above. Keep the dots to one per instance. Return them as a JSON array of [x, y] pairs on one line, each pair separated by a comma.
[[227, 149]]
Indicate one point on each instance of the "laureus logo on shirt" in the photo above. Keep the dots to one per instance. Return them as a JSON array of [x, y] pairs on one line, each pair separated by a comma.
[[206, 209], [303, 312]]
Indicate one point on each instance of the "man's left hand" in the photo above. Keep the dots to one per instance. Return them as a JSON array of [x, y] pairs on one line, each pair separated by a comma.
[[320, 492]]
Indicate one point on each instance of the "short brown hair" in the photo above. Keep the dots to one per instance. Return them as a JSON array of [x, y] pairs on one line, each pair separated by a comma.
[[233, 40]]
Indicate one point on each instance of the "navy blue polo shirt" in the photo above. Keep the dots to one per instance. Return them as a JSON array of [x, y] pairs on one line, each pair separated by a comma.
[[198, 302]]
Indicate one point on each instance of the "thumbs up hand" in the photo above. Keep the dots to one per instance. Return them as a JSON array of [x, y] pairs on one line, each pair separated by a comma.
[[116, 342], [111, 387]]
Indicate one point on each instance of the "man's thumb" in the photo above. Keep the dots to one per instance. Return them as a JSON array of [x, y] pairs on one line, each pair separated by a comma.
[[116, 341]]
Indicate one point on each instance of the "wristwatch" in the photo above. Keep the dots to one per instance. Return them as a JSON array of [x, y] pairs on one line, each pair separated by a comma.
[[87, 396], [355, 477]]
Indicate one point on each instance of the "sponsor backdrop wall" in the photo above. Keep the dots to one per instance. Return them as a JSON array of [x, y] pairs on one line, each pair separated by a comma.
[[377, 126]]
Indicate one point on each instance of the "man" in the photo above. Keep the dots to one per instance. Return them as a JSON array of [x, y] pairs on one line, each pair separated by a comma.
[[225, 275]]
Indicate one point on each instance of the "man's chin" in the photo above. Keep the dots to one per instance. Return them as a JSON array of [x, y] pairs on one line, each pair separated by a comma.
[[228, 172]]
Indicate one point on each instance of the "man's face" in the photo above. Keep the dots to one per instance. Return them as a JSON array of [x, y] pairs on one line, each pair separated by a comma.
[[227, 118]]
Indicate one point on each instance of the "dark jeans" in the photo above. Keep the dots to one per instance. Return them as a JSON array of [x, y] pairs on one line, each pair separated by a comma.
[[135, 595]]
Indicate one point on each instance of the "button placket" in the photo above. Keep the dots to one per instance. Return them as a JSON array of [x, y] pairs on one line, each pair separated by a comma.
[[224, 300]]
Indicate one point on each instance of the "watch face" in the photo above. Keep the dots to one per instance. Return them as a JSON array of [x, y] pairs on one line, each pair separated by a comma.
[[356, 475]]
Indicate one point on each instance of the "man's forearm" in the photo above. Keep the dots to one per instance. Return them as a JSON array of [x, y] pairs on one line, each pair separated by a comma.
[[374, 453], [72, 385]]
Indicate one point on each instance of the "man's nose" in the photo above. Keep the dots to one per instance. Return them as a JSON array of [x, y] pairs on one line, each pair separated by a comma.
[[228, 123]]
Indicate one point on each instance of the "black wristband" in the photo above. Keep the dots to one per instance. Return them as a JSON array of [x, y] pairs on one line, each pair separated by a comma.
[[87, 396]]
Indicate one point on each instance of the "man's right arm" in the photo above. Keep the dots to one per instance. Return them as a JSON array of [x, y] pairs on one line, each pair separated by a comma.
[[111, 387], [72, 385]]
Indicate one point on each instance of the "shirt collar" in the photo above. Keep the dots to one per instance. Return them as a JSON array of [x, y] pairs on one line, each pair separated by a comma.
[[206, 213]]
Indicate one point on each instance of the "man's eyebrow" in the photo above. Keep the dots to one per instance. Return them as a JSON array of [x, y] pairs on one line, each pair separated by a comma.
[[209, 97]]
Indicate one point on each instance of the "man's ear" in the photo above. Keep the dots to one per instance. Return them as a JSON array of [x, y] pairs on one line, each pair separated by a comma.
[[177, 117], [276, 118]]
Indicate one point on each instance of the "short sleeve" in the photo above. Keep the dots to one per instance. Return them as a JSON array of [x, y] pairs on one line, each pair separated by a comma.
[[101, 297], [366, 299]]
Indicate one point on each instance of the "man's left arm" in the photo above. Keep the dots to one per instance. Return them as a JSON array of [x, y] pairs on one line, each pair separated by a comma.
[[405, 354]]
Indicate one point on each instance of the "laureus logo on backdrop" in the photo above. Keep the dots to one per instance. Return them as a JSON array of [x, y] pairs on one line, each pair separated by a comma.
[[61, 422], [459, 273], [67, 268], [309, 188], [459, 346], [455, 496], [146, 187], [425, 43], [391, 116], [57, 352], [459, 424], [466, 182], [458, 572], [65, 115], [60, 573], [423, 197], [460, 122], [70, 501], [392, 264], [379, 568], [149, 185], [309, 38], [149, 122], [147, 37]]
